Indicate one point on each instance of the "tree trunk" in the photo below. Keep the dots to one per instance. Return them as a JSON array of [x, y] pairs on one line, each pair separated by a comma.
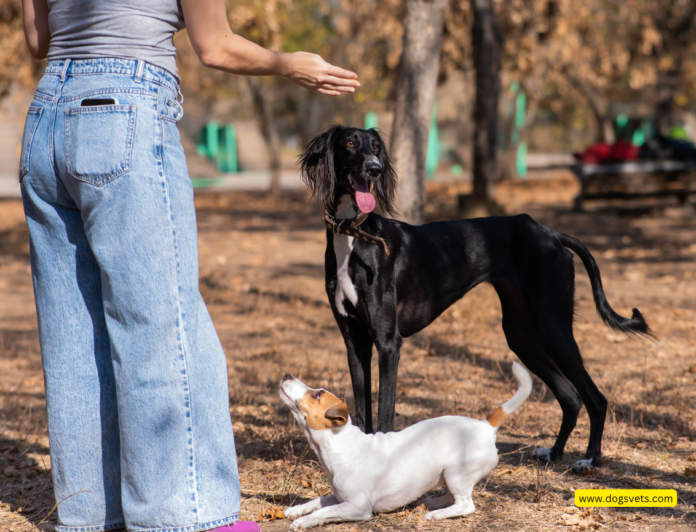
[[677, 37], [487, 43], [598, 105], [269, 130], [415, 85]]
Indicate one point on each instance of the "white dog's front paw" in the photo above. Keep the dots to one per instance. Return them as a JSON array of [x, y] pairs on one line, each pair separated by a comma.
[[584, 467], [303, 522], [542, 453], [295, 511]]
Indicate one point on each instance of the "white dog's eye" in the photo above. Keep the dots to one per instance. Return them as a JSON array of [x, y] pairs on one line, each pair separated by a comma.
[[317, 395]]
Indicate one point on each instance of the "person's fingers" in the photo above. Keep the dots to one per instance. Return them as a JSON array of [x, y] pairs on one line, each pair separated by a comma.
[[329, 92], [341, 73], [336, 88], [340, 82]]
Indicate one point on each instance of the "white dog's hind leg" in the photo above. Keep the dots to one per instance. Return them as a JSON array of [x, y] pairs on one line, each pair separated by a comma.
[[462, 506], [460, 480], [345, 511], [308, 507], [435, 503]]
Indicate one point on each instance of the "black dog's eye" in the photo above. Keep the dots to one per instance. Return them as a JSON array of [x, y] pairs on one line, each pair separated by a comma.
[[350, 144], [317, 395], [376, 148]]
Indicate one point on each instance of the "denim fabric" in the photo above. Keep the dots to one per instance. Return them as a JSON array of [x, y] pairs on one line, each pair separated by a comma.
[[136, 379]]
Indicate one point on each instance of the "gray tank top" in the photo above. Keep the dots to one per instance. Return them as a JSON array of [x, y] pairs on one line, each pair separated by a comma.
[[129, 29]]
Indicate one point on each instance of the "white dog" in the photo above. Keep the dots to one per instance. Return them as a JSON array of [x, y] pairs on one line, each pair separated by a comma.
[[381, 472]]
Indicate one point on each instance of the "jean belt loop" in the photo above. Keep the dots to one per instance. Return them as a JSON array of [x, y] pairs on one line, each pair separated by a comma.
[[64, 71], [139, 71]]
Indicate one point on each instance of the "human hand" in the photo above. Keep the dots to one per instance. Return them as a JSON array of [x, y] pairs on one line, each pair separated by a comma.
[[312, 72]]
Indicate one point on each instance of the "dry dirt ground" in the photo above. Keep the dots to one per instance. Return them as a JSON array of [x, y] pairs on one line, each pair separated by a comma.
[[262, 277]]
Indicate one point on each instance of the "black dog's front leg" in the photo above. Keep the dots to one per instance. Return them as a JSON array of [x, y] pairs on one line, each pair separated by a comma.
[[389, 349], [359, 347]]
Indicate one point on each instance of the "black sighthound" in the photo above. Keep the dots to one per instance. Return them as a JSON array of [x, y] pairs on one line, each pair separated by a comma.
[[393, 284]]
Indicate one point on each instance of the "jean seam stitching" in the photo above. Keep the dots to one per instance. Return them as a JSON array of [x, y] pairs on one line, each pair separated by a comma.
[[128, 75], [194, 528], [24, 163], [100, 528], [51, 145], [138, 92], [182, 333]]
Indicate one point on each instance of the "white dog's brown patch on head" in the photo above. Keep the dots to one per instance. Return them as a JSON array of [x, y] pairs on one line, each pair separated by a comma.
[[323, 410]]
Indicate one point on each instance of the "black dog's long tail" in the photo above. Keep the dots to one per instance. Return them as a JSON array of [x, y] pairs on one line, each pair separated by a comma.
[[636, 324]]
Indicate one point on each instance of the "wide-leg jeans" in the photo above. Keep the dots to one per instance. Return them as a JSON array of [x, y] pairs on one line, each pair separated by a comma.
[[136, 379]]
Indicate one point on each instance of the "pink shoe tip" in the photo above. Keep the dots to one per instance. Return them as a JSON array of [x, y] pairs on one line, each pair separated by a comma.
[[239, 526]]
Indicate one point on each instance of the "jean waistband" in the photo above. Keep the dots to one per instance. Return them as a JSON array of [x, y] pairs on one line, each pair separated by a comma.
[[113, 65]]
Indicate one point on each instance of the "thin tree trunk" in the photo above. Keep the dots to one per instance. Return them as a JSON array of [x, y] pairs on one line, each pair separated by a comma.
[[487, 44], [269, 130], [415, 85], [676, 40], [262, 103], [598, 105]]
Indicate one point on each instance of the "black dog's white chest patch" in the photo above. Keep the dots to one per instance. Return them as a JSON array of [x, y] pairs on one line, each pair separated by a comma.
[[343, 247]]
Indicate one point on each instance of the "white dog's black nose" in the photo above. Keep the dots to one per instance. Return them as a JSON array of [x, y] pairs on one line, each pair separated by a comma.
[[288, 377], [373, 168]]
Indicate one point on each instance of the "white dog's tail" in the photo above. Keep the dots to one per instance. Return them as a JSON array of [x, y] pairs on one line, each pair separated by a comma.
[[524, 382]]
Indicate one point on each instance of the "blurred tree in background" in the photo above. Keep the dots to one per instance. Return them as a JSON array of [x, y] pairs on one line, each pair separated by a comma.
[[576, 61], [361, 35], [17, 68]]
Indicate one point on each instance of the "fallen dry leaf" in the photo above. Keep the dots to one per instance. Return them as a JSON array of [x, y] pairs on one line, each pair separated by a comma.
[[690, 471], [570, 520], [270, 514], [692, 458], [591, 471]]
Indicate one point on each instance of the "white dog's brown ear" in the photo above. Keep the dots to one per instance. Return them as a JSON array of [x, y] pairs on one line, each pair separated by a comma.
[[338, 414]]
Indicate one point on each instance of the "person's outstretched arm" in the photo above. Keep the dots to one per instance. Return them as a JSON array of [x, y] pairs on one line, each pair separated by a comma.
[[36, 32], [218, 47]]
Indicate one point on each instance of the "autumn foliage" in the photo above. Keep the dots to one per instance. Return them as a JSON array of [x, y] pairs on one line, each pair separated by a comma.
[[569, 55]]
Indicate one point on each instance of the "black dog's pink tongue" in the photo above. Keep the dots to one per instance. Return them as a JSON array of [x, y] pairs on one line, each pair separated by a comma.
[[365, 200]]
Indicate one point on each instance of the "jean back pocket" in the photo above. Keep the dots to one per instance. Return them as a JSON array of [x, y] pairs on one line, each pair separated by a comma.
[[33, 117], [99, 142]]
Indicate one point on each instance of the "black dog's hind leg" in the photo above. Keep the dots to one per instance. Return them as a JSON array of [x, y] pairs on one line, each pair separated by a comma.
[[565, 352], [547, 347], [524, 341], [359, 347]]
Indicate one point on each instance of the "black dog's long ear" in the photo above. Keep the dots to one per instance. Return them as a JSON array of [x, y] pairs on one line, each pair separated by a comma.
[[317, 166], [385, 186]]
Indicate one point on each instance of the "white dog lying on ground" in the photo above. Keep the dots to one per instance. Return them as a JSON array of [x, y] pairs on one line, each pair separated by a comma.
[[372, 473]]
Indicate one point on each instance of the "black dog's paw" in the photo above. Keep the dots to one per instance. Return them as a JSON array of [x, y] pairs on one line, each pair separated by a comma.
[[543, 454]]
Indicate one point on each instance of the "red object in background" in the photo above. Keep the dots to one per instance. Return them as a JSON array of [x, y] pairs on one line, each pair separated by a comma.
[[607, 153]]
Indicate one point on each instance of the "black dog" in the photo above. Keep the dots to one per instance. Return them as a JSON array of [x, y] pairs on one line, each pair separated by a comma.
[[387, 280]]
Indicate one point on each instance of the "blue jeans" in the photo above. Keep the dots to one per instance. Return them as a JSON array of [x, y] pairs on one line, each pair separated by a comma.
[[136, 379]]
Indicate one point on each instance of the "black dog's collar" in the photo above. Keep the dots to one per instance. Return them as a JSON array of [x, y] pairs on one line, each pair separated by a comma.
[[350, 228]]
